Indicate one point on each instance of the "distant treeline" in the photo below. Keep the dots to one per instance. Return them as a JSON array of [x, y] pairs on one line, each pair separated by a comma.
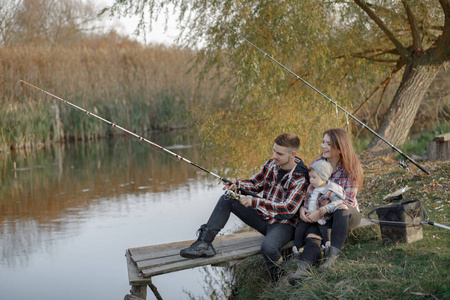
[[138, 87]]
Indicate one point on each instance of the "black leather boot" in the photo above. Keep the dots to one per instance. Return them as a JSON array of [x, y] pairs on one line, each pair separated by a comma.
[[276, 272], [333, 255], [202, 247], [303, 271]]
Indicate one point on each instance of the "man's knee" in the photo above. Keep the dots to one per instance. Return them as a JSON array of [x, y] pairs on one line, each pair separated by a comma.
[[270, 251], [268, 247], [225, 202]]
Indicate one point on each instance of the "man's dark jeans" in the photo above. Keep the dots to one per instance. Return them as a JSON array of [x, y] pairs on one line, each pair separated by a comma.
[[276, 235]]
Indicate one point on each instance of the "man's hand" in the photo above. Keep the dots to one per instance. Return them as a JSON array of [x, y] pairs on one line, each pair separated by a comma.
[[232, 186], [246, 200]]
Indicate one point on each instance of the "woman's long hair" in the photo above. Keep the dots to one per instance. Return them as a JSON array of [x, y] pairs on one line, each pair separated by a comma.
[[341, 141]]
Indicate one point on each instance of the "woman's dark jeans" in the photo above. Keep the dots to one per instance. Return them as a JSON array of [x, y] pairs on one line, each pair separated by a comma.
[[343, 220]]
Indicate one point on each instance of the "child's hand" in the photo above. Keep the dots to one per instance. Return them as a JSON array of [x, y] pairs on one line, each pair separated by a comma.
[[314, 216]]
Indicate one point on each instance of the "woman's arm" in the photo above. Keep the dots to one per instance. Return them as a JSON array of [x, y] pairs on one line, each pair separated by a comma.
[[350, 186]]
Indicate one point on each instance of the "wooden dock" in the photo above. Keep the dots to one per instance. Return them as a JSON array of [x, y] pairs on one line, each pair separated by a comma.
[[145, 262]]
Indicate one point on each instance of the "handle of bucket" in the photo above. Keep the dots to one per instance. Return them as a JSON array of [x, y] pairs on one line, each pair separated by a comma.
[[370, 219], [394, 222]]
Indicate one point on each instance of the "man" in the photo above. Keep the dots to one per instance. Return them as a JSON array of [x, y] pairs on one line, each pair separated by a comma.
[[282, 180]]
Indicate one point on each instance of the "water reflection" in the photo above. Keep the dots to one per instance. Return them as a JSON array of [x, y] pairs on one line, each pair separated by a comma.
[[70, 213]]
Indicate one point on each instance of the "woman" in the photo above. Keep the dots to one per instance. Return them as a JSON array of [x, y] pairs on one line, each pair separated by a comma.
[[338, 150]]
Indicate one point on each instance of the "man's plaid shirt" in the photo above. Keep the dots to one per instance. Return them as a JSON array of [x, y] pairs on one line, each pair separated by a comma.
[[280, 200]]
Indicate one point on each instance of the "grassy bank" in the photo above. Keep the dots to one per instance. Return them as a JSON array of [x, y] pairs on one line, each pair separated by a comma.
[[368, 269], [138, 87]]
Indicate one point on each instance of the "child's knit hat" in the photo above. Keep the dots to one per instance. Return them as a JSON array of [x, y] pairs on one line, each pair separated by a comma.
[[323, 168]]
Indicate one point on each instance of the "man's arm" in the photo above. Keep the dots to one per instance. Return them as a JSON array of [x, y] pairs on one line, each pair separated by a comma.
[[256, 182], [283, 209], [350, 187]]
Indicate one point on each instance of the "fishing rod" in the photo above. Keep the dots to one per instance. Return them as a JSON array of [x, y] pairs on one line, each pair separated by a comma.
[[402, 223], [397, 199], [114, 125], [403, 165]]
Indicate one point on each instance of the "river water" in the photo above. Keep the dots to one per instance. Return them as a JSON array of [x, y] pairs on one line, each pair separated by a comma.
[[68, 214]]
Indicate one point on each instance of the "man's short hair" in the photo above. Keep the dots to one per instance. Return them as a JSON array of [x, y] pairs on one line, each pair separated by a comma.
[[289, 140]]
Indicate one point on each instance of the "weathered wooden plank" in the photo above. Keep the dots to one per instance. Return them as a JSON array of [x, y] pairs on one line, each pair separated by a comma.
[[133, 271], [168, 253], [163, 259], [442, 137], [192, 263], [252, 245], [179, 245]]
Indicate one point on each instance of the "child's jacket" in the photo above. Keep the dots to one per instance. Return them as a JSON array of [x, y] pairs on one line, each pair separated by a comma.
[[331, 197]]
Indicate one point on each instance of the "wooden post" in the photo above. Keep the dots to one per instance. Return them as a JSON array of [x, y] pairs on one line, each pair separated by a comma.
[[154, 290], [439, 147], [139, 291]]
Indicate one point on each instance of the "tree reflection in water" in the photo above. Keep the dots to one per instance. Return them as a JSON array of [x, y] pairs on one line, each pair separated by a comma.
[[71, 211]]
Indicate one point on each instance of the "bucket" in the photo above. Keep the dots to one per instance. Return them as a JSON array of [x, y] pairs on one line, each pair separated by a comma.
[[400, 222]]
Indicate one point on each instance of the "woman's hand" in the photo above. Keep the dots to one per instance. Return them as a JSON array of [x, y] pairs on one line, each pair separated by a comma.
[[303, 212], [314, 216]]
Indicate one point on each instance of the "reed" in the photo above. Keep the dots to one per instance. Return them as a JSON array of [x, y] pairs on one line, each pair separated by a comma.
[[139, 87]]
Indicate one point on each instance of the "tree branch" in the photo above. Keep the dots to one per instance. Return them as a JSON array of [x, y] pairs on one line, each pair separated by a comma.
[[375, 116], [373, 59], [400, 48], [381, 85], [443, 43], [417, 45], [377, 52]]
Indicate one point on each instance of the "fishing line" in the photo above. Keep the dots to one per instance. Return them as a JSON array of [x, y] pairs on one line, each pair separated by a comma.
[[142, 139], [327, 98]]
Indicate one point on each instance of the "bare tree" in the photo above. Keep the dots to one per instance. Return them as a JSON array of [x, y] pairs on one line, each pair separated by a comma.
[[8, 11], [47, 21]]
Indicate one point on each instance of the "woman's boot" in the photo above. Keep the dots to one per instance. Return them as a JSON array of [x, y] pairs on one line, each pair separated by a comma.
[[333, 255]]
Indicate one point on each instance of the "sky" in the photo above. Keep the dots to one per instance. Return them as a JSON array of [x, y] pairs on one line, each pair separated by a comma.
[[127, 26]]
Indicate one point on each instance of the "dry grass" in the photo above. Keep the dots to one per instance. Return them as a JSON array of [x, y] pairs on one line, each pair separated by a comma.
[[368, 269], [139, 87]]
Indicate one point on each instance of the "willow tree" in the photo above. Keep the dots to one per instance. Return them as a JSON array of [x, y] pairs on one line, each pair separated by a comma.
[[331, 44], [414, 38]]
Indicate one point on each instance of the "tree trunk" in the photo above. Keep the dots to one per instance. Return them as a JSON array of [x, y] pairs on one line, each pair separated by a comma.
[[417, 78]]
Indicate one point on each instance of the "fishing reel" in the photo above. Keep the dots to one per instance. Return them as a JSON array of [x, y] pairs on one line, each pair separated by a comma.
[[229, 194], [404, 164], [236, 195]]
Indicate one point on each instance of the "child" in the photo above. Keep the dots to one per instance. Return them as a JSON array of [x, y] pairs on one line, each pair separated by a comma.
[[322, 198]]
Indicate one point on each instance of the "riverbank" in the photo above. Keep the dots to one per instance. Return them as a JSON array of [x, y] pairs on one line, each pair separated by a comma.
[[138, 87], [367, 269]]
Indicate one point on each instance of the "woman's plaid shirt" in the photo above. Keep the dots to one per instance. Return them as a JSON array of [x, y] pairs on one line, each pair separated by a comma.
[[280, 200]]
